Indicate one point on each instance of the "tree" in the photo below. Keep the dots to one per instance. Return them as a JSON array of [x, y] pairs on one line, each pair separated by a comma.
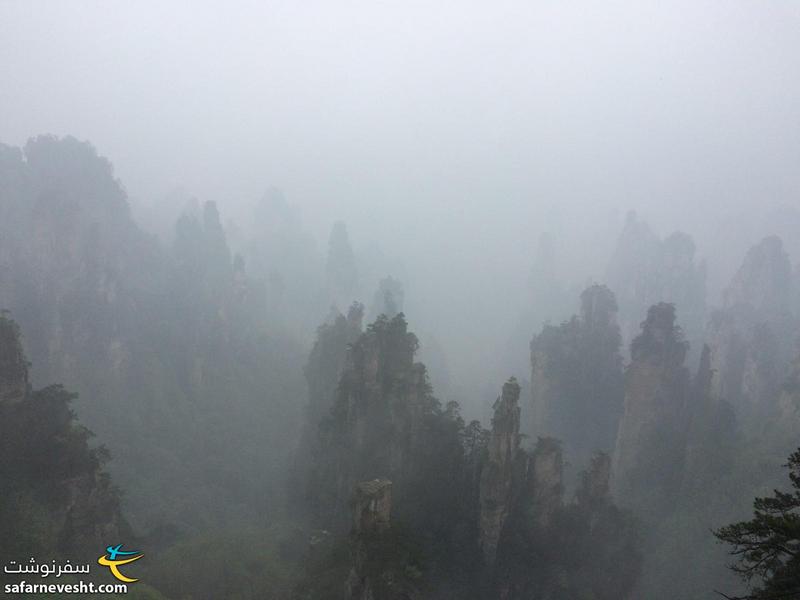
[[768, 546]]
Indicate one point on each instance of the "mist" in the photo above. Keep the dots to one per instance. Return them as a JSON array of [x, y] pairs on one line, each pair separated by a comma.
[[216, 186]]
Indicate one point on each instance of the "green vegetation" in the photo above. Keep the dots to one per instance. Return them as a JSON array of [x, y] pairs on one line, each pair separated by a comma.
[[767, 548], [238, 440], [57, 500]]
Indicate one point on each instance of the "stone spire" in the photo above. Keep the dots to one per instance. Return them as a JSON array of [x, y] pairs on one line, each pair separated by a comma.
[[652, 433], [498, 474]]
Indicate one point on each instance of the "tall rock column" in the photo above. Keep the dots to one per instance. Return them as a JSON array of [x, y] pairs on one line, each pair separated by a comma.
[[752, 337], [498, 474], [385, 422], [381, 569], [325, 365], [577, 380], [648, 459], [545, 482]]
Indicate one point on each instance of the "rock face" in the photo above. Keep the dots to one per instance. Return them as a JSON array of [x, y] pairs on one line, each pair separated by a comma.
[[497, 478], [645, 270], [323, 371], [763, 283], [752, 337], [385, 422], [372, 506], [529, 536], [515, 482], [371, 503], [56, 498], [490, 514], [576, 378], [712, 434], [545, 482], [380, 568], [652, 433], [327, 361]]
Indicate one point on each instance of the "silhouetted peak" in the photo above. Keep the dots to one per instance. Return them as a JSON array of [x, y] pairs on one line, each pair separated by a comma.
[[506, 408], [598, 306], [763, 282], [660, 336]]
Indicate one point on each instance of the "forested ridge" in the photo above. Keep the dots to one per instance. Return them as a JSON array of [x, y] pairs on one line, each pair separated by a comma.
[[235, 395]]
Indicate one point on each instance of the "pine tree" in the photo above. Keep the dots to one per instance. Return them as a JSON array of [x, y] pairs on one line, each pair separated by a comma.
[[768, 546]]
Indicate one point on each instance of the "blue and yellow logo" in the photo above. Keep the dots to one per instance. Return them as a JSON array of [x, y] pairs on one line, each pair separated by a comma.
[[111, 561]]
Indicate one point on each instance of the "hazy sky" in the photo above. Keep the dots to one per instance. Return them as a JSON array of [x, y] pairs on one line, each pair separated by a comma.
[[355, 104], [451, 132]]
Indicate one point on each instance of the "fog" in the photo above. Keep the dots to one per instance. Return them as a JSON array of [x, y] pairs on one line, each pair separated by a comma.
[[452, 134], [486, 155]]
